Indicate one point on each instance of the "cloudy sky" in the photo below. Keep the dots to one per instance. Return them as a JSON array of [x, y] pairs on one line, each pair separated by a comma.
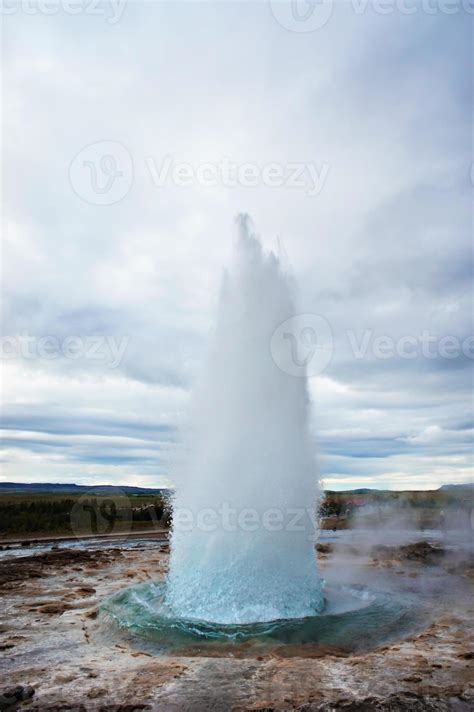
[[133, 133]]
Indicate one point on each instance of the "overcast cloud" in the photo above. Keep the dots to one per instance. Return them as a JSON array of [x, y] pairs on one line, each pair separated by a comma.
[[368, 118]]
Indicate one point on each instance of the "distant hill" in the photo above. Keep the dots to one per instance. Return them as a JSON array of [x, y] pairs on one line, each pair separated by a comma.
[[450, 488], [68, 488], [361, 490], [57, 487], [369, 490]]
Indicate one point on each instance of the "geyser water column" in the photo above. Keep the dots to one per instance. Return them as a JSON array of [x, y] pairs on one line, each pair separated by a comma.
[[242, 547]]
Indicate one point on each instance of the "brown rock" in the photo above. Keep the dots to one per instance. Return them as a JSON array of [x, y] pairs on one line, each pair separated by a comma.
[[96, 692], [54, 609]]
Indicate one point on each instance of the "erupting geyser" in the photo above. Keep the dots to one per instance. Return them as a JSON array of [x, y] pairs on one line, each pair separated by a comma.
[[242, 547], [243, 564]]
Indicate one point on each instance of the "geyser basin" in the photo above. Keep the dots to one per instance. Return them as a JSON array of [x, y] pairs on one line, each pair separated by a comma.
[[353, 618]]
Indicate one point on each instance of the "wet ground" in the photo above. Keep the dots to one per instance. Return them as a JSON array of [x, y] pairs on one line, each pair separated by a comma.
[[52, 638]]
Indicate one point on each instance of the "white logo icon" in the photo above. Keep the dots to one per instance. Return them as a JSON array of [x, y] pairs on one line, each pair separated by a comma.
[[302, 15], [102, 173], [302, 345], [96, 515]]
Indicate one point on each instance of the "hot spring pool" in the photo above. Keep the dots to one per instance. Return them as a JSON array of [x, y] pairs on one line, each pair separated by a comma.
[[354, 618]]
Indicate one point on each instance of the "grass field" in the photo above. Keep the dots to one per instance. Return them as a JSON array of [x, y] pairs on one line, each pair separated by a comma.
[[56, 513]]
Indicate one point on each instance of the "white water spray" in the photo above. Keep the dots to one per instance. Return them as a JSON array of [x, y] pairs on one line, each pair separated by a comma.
[[242, 547]]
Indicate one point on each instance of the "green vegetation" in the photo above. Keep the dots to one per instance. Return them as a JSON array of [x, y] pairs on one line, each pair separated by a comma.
[[337, 502], [448, 507], [54, 514], [36, 513]]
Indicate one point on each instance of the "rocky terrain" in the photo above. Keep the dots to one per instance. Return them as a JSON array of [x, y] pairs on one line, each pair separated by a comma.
[[58, 654]]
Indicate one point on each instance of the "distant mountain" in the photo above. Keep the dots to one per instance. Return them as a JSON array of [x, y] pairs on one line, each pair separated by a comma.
[[449, 488], [362, 490], [69, 488], [77, 489]]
